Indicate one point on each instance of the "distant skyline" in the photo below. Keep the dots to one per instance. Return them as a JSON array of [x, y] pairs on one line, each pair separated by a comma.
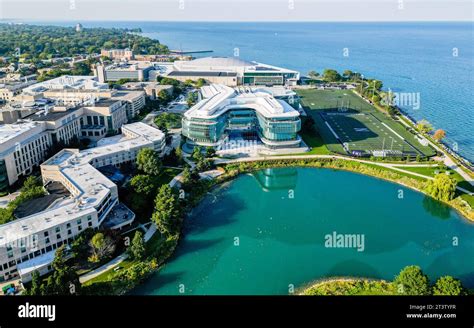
[[237, 10]]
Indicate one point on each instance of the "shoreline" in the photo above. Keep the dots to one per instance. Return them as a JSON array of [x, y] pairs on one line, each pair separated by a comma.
[[313, 163]]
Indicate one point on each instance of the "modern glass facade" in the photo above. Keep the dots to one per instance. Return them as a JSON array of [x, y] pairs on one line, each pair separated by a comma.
[[247, 123], [267, 78]]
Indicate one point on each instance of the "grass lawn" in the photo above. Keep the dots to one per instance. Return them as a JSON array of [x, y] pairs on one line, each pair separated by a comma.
[[107, 275], [154, 243], [167, 175], [430, 171], [360, 125], [171, 120], [316, 143]]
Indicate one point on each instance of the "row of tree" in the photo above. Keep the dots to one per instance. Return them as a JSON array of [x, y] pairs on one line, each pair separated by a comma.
[[44, 42], [413, 281]]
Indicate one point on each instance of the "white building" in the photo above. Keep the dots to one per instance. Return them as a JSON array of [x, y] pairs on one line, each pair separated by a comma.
[[24, 145], [29, 243], [67, 82], [231, 71]]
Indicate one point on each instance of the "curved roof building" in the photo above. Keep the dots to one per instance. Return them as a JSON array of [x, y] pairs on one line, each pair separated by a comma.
[[248, 113], [233, 71]]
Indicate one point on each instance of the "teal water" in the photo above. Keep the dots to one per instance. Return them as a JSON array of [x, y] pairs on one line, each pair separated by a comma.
[[281, 239]]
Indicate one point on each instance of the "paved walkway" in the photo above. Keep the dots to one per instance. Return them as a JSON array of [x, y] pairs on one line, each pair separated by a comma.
[[94, 273]]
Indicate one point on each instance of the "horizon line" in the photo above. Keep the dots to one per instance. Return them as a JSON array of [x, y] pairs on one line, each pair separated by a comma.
[[237, 21]]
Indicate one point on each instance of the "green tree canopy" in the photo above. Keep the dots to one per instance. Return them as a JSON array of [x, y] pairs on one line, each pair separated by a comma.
[[148, 161], [442, 187], [448, 285], [167, 214], [412, 281], [331, 75], [143, 184], [136, 250]]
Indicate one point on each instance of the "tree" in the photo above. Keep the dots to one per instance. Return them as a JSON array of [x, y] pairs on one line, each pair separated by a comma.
[[64, 279], [448, 285], [197, 153], [148, 161], [35, 288], [164, 97], [102, 246], [442, 187], [412, 281], [424, 126], [439, 135], [136, 250], [210, 152], [347, 74], [190, 178], [313, 74], [143, 184], [200, 83], [167, 214], [331, 75]]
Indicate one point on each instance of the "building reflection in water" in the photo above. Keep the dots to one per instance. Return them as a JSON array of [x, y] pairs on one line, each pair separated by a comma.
[[275, 179]]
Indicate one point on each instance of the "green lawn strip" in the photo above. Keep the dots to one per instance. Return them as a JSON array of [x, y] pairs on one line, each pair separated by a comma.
[[430, 171], [316, 143], [167, 175], [108, 275]]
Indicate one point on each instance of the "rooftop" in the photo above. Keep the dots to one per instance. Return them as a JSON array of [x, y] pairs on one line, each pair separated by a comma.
[[92, 186], [11, 131], [203, 73], [51, 115], [218, 98], [67, 82]]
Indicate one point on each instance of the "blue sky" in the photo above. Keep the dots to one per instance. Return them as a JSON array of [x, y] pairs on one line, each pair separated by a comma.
[[238, 10]]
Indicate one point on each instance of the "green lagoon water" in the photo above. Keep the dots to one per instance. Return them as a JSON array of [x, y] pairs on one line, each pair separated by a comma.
[[281, 239]]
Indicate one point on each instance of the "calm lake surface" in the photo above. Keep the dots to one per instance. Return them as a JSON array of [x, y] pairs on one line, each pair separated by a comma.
[[250, 237]]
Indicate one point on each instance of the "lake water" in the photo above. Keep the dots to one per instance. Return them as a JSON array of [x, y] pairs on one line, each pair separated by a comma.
[[264, 232]]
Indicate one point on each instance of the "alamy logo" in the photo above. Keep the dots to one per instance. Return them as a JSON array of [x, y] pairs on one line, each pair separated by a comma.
[[339, 240], [37, 311]]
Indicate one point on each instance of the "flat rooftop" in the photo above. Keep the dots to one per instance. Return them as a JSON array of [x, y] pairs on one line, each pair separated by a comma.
[[11, 131], [51, 115], [201, 73]]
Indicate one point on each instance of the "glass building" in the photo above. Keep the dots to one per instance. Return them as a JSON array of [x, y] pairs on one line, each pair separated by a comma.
[[243, 113]]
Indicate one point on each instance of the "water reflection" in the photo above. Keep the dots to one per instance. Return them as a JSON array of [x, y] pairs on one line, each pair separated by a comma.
[[277, 179], [436, 208]]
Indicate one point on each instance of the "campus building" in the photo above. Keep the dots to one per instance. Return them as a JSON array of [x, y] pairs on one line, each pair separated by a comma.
[[136, 71], [67, 82], [134, 100], [232, 71], [226, 113], [29, 243], [118, 54], [25, 143]]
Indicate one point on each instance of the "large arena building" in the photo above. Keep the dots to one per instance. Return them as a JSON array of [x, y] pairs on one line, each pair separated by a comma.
[[231, 71]]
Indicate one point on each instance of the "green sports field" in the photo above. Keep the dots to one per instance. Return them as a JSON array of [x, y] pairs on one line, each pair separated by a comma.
[[350, 125]]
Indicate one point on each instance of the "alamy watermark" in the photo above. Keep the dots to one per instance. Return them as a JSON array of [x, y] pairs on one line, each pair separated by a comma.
[[402, 99], [339, 240]]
